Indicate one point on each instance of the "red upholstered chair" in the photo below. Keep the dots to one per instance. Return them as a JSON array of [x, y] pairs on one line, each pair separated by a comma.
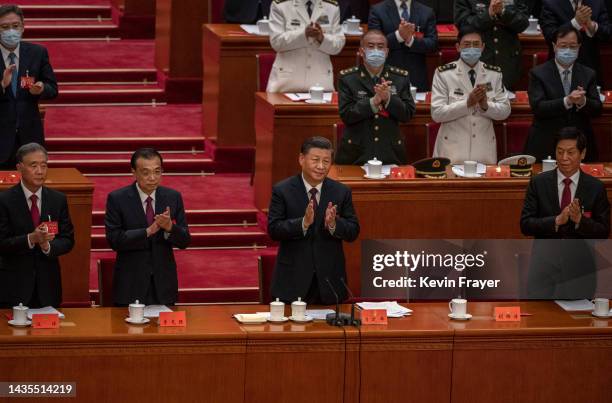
[[432, 134], [337, 135], [266, 269], [106, 266], [264, 67], [514, 137], [539, 58], [447, 55], [215, 9]]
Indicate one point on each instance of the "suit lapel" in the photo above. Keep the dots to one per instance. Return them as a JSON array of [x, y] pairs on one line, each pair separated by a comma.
[[45, 209], [21, 207], [160, 201], [462, 75], [300, 189], [300, 6], [137, 206], [393, 13], [568, 9], [23, 62], [577, 78], [553, 192], [581, 188], [554, 72], [323, 201]]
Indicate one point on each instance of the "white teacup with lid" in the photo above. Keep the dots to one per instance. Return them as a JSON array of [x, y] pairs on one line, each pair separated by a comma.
[[548, 164], [136, 310], [263, 25], [20, 314], [374, 168], [277, 310], [298, 309]]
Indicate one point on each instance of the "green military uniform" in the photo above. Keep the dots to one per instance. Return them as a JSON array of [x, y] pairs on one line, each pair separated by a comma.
[[369, 134], [500, 34]]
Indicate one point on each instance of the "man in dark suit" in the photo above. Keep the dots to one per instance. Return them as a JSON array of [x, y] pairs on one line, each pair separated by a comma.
[[27, 78], [565, 203], [499, 26], [144, 221], [589, 17], [562, 93], [373, 99], [443, 9], [310, 215], [245, 12], [411, 33], [35, 229]]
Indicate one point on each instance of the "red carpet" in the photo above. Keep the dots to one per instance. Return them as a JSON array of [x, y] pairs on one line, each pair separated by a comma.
[[62, 2]]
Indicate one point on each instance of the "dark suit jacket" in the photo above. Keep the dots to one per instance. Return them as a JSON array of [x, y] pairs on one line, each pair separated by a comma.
[[299, 256], [245, 11], [559, 13], [550, 115], [139, 257], [368, 134], [385, 17], [21, 112], [541, 206], [23, 270], [358, 8], [442, 8]]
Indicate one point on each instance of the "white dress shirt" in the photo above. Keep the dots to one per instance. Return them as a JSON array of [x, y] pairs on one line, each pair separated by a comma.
[[38, 194], [398, 3], [318, 197]]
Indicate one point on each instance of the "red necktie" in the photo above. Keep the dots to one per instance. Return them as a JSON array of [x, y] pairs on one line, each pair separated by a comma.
[[149, 211], [34, 211], [313, 198], [566, 196]]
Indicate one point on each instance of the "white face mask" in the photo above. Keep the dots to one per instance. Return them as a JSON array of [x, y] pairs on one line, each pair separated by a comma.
[[11, 37]]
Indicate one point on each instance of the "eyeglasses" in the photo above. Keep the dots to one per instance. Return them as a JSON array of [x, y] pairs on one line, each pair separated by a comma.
[[468, 44], [15, 25], [572, 47]]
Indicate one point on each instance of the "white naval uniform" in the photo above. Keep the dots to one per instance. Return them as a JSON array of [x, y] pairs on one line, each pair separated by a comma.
[[303, 62], [467, 134]]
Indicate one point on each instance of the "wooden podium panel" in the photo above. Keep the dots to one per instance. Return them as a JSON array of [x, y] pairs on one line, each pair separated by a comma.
[[75, 265], [230, 80]]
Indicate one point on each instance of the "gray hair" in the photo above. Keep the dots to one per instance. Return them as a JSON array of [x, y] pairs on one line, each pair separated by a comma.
[[29, 149]]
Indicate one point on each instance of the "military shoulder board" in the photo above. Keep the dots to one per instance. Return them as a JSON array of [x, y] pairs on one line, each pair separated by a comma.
[[446, 67], [333, 2], [348, 71], [401, 72], [491, 67], [280, 1]]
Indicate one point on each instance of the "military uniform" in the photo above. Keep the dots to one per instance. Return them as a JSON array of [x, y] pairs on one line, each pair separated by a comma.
[[369, 133], [303, 62], [500, 35], [466, 132]]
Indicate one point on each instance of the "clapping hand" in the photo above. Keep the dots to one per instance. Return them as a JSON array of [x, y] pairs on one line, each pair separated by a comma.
[[406, 30], [330, 216], [477, 95], [164, 221], [575, 211], [382, 91], [578, 96], [7, 77], [308, 215], [314, 31], [37, 88], [496, 7]]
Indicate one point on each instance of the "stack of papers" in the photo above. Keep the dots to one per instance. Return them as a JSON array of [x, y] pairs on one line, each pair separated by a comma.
[[252, 317], [304, 96], [394, 310], [47, 309], [152, 311], [385, 169], [252, 29], [319, 314], [577, 305]]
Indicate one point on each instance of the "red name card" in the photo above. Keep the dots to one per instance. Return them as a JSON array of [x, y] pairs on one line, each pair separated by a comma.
[[593, 169], [374, 317], [52, 227], [507, 313], [27, 82], [402, 172], [498, 172], [172, 319], [45, 321]]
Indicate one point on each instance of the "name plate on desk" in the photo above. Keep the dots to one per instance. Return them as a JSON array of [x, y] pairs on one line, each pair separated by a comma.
[[373, 316], [507, 313], [593, 169], [45, 321], [502, 171], [172, 319], [402, 172]]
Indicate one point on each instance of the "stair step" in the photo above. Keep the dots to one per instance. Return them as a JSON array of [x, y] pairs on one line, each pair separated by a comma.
[[106, 75], [70, 29], [65, 11], [113, 143], [109, 94], [209, 217]]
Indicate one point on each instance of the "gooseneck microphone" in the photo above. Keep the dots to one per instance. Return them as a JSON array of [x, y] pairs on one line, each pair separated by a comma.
[[354, 321], [337, 318]]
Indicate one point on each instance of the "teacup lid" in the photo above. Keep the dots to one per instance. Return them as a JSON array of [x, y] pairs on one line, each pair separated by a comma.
[[374, 161], [549, 159], [532, 18], [317, 87], [353, 19], [137, 304], [264, 19], [20, 306], [277, 302], [299, 301]]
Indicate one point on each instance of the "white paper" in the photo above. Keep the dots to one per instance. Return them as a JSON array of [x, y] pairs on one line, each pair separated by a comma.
[[421, 96], [303, 96], [45, 310], [511, 95], [394, 310], [480, 169], [319, 314], [251, 317], [386, 169], [252, 29], [577, 305], [152, 311]]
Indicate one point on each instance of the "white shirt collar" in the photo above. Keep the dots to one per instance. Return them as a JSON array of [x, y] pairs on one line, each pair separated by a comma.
[[463, 66], [398, 3], [562, 69], [6, 53], [574, 177], [308, 186], [143, 195], [28, 193]]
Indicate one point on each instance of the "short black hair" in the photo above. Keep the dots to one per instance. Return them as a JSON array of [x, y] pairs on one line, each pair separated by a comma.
[[316, 142], [11, 8], [371, 32], [566, 30], [466, 30], [146, 153], [572, 133], [29, 149]]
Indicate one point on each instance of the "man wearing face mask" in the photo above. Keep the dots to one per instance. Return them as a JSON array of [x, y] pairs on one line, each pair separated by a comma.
[[562, 93], [467, 96], [27, 77], [373, 99]]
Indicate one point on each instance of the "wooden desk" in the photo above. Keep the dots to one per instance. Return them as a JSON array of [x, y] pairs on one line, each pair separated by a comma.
[[548, 357], [282, 125], [75, 265], [230, 80], [433, 209]]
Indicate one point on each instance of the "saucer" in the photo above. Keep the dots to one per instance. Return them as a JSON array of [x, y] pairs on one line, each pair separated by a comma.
[[282, 320], [133, 322], [609, 315], [305, 320], [381, 176], [312, 101], [466, 317], [356, 33], [26, 324], [533, 33]]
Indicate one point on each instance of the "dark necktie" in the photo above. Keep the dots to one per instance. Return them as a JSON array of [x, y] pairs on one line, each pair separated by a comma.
[[313, 197], [405, 13], [566, 196], [13, 60], [149, 211], [472, 74], [34, 211], [309, 8]]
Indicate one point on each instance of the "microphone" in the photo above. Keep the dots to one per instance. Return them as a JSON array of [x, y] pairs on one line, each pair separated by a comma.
[[354, 321], [337, 318]]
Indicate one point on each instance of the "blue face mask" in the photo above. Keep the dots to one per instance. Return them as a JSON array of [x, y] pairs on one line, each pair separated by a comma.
[[471, 56], [566, 56], [375, 57], [11, 37]]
